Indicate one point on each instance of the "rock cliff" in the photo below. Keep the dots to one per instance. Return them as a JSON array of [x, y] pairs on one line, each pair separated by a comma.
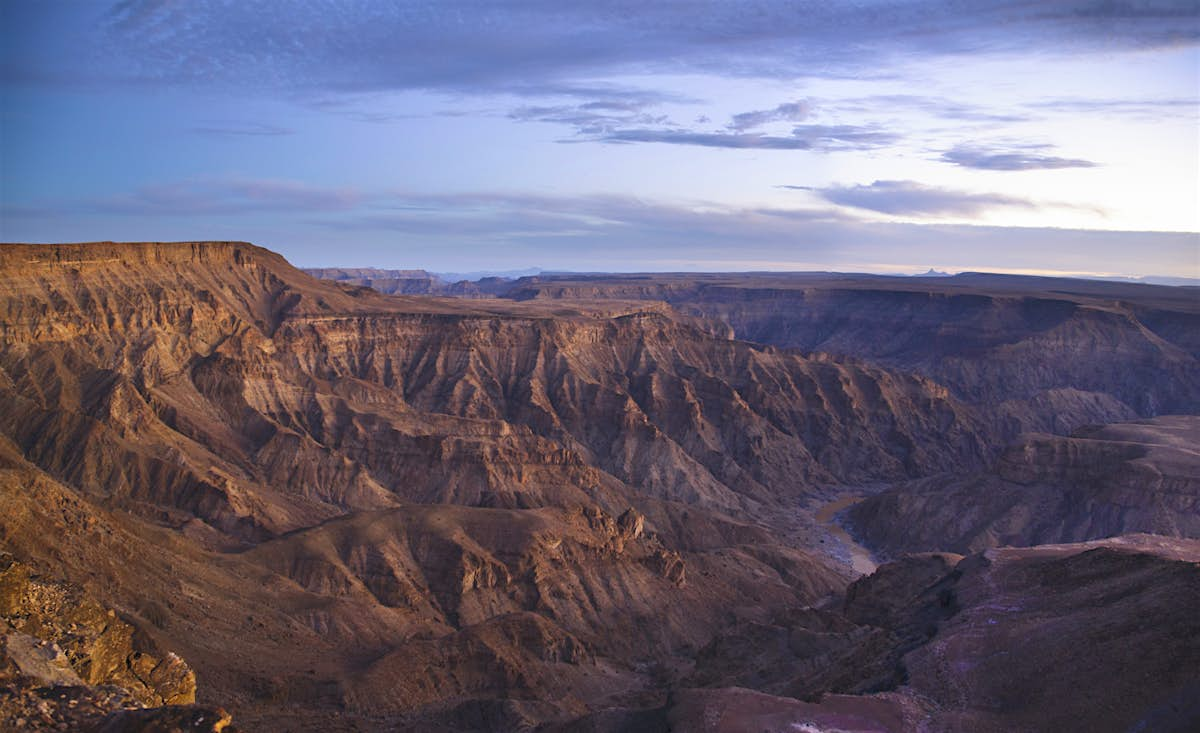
[[1039, 354]]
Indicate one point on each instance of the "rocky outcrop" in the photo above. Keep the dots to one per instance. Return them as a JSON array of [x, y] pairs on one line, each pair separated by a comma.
[[445, 573], [55, 634], [854, 649], [181, 718], [28, 705], [67, 663], [1109, 601], [1103, 481]]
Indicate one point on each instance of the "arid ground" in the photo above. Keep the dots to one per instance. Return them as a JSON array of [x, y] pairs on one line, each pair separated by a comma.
[[726, 502]]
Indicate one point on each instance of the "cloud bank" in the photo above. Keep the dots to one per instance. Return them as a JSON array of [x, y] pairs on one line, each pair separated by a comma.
[[824, 138], [909, 198], [785, 112], [606, 232], [361, 45], [1028, 159]]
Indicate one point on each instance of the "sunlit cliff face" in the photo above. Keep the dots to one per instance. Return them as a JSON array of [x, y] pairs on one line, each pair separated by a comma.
[[883, 136]]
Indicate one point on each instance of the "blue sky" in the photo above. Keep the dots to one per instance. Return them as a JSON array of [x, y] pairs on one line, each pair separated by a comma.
[[870, 136]]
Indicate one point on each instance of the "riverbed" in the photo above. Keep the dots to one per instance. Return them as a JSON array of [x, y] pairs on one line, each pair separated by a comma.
[[861, 561]]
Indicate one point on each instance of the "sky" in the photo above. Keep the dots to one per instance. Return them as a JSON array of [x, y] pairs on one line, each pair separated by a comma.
[[866, 135]]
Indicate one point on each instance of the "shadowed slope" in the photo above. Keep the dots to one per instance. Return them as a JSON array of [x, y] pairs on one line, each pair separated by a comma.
[[1101, 482], [1098, 636]]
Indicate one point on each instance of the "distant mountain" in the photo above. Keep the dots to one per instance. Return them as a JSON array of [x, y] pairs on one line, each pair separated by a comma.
[[411, 282], [1191, 282], [481, 274], [345, 273], [392, 282]]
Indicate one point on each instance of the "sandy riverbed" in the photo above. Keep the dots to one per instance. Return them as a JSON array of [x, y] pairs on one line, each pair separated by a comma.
[[860, 558]]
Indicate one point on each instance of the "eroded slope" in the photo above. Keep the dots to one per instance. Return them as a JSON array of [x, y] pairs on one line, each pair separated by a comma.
[[1103, 481], [1040, 354], [526, 510]]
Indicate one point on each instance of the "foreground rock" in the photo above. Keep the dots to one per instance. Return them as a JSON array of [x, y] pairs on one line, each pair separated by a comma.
[[58, 636], [66, 663]]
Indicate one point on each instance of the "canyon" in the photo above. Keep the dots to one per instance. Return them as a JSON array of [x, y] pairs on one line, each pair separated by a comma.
[[595, 503]]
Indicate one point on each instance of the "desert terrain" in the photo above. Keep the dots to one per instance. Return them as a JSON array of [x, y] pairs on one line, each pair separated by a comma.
[[665, 502]]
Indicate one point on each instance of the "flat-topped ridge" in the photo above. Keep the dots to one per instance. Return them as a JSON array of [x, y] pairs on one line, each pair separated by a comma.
[[20, 255]]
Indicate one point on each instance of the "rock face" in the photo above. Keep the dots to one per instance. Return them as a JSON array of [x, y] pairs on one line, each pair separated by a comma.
[[350, 510], [1040, 354], [1103, 481]]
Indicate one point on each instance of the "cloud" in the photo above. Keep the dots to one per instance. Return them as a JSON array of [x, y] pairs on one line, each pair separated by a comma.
[[786, 112], [603, 93], [708, 139], [631, 119], [939, 107], [909, 198], [499, 215], [823, 138], [596, 218], [217, 196], [490, 230], [1148, 109], [218, 128], [597, 117], [845, 137], [359, 45], [1010, 160]]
